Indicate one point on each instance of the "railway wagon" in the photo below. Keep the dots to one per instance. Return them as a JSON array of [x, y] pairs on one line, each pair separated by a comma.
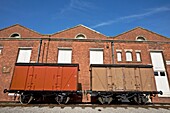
[[39, 81], [122, 82]]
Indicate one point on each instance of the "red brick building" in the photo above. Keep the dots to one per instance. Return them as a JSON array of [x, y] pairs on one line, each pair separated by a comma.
[[85, 46]]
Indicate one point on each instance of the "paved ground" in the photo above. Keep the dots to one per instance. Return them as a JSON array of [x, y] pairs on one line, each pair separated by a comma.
[[83, 110]]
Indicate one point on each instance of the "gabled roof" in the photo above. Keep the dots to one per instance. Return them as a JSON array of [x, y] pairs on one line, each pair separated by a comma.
[[22, 27], [135, 29], [79, 26]]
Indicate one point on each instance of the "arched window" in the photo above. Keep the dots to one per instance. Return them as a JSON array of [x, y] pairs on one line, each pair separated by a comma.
[[138, 56], [80, 36], [128, 56], [140, 38], [15, 35]]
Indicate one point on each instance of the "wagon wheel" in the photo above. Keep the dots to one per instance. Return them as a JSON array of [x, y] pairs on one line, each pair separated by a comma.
[[62, 99], [140, 100], [105, 99], [25, 99]]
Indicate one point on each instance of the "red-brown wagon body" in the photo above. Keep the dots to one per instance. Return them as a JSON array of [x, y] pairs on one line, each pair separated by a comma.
[[37, 78]]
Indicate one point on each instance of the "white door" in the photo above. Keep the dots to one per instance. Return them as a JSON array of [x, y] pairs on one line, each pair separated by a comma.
[[24, 56], [160, 74], [96, 56], [64, 55]]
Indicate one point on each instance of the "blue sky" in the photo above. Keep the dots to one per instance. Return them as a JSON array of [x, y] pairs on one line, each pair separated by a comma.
[[110, 17]]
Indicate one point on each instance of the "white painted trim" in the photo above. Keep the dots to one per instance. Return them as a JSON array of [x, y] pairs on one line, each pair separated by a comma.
[[154, 50], [142, 37], [15, 33], [97, 49], [167, 62], [82, 26], [128, 50], [66, 48], [91, 29], [25, 47], [118, 50], [33, 61], [81, 34], [137, 51]]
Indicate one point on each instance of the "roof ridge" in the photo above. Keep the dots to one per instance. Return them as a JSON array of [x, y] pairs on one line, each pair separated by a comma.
[[124, 32], [78, 26], [137, 28], [21, 26], [155, 33]]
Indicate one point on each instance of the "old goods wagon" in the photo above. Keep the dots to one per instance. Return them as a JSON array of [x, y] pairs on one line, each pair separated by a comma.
[[120, 82], [35, 81]]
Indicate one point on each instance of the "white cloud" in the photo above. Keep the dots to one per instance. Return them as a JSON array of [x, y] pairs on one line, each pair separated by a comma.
[[135, 16], [80, 5]]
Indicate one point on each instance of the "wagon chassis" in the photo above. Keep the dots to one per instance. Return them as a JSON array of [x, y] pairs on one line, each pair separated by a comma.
[[134, 97], [61, 97]]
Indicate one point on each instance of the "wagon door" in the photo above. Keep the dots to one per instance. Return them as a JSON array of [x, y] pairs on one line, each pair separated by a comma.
[[99, 79], [69, 78], [53, 78], [117, 79], [35, 78], [19, 78], [137, 77], [129, 79], [147, 79]]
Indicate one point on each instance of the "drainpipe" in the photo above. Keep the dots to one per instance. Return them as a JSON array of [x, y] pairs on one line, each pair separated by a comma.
[[43, 52], [47, 50], [39, 51], [112, 44]]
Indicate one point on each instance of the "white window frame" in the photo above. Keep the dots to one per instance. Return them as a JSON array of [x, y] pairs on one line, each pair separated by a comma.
[[129, 56], [119, 56], [138, 57], [94, 60], [67, 58], [28, 55], [19, 35], [1, 50], [140, 38], [78, 36]]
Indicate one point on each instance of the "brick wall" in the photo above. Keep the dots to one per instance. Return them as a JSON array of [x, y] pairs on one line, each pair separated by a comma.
[[80, 50], [23, 31], [8, 59]]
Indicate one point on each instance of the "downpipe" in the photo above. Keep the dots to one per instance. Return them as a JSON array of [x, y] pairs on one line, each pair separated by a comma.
[[39, 51]]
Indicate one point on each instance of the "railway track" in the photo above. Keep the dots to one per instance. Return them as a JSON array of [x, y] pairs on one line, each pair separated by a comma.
[[93, 106]]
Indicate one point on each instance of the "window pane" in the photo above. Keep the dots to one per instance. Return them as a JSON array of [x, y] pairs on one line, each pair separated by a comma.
[[24, 56], [0, 51], [162, 73], [80, 36], [119, 56], [64, 55], [138, 56], [96, 56], [156, 73], [128, 56]]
